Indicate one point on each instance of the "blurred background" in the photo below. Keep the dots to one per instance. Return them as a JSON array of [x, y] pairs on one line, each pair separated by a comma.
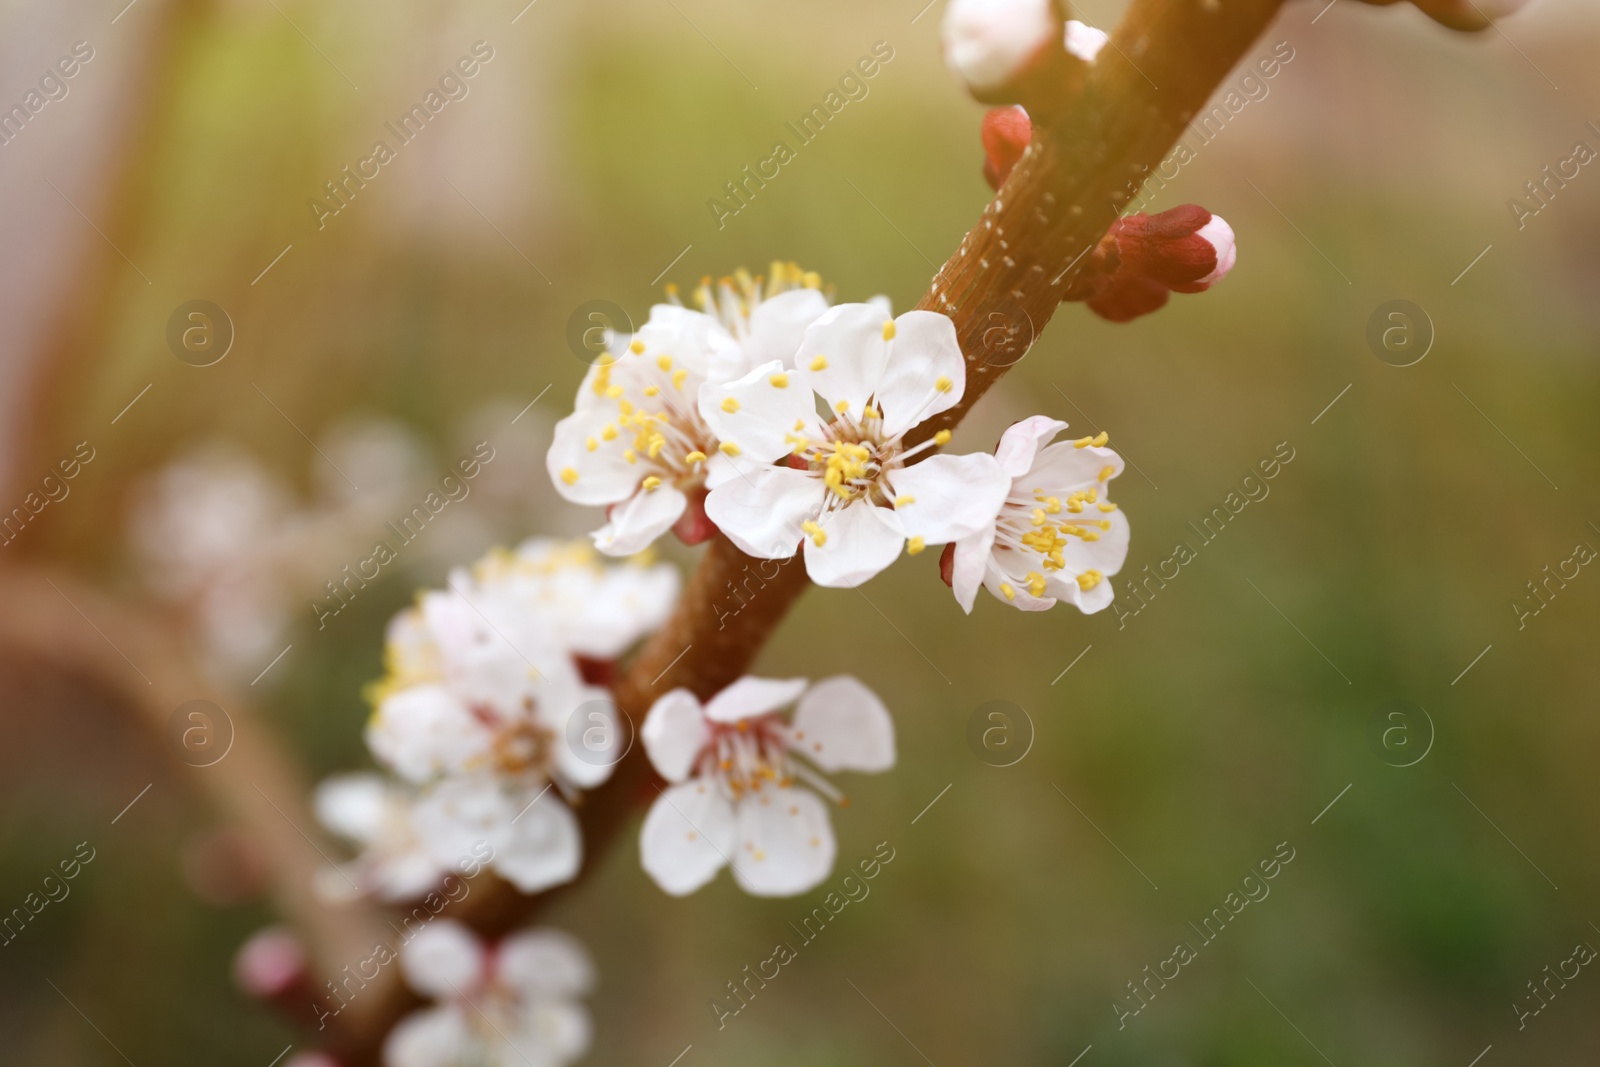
[[1167, 752]]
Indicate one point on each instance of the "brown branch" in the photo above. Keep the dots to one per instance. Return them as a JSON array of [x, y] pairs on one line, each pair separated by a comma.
[[1087, 160], [52, 618]]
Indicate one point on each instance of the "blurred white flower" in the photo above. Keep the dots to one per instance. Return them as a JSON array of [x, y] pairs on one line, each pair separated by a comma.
[[476, 709], [592, 609], [1058, 536], [375, 814], [511, 1004], [736, 796], [988, 43], [846, 484]]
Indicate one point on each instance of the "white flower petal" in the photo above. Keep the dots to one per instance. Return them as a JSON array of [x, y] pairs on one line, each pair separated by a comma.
[[785, 842], [761, 512], [861, 540], [925, 373], [541, 845], [1219, 235], [692, 338], [638, 521], [687, 837], [968, 567], [1021, 442], [1011, 588], [778, 324], [760, 412], [459, 815], [598, 476], [673, 733], [1063, 467], [354, 806], [598, 725], [1084, 40], [988, 42], [564, 1028], [442, 960], [951, 497], [841, 725], [750, 697], [433, 1037], [854, 355], [424, 731], [544, 964]]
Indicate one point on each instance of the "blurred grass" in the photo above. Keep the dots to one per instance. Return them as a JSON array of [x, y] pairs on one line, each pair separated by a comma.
[[1196, 739]]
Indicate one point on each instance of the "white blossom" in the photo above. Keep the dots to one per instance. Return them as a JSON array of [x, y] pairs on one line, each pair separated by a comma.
[[512, 1004], [845, 486], [1058, 535], [745, 782], [374, 813], [636, 443]]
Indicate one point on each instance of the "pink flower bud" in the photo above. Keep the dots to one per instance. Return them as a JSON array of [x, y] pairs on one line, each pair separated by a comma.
[[269, 963], [1006, 133], [1144, 258], [989, 43]]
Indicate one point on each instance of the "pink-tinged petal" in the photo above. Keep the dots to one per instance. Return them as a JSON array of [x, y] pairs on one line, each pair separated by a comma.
[[785, 842], [843, 355], [969, 564], [591, 476], [947, 498], [759, 412], [1021, 443], [750, 697], [687, 837], [673, 733], [988, 43], [926, 373], [442, 958], [541, 846], [761, 512], [841, 725], [639, 520], [544, 964], [1085, 41], [1219, 235], [433, 1037], [859, 541]]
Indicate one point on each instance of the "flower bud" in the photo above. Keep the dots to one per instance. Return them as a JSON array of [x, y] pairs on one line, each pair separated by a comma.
[[1084, 40], [270, 963], [1006, 133], [990, 43], [1144, 258]]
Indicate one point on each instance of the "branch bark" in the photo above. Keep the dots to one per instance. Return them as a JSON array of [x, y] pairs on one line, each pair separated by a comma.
[[1087, 160]]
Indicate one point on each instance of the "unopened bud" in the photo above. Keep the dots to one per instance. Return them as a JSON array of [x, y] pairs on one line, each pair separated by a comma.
[[1144, 258], [1006, 133], [269, 963], [990, 43]]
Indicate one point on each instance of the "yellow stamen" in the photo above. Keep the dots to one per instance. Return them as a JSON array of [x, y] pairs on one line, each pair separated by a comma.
[[819, 537], [914, 546], [1036, 583], [730, 405], [902, 501], [820, 363], [728, 448], [651, 390], [1106, 472], [695, 457], [943, 384], [779, 381], [1005, 587], [636, 347], [651, 484], [1089, 579], [942, 437], [664, 362], [630, 456], [591, 444], [609, 432], [842, 406], [569, 475], [888, 330], [678, 376]]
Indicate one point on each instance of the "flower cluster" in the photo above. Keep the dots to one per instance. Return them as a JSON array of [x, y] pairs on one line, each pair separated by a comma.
[[483, 680], [800, 427]]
